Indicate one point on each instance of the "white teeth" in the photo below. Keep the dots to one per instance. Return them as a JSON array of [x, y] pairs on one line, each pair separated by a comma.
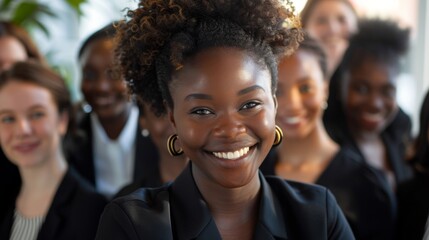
[[292, 120], [232, 155], [373, 117]]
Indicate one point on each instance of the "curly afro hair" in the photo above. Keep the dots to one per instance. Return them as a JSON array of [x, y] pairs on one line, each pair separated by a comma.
[[378, 40], [160, 35]]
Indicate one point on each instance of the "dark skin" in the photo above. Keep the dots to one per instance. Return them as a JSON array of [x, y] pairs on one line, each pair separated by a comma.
[[160, 129], [224, 114], [301, 94], [370, 107], [103, 88]]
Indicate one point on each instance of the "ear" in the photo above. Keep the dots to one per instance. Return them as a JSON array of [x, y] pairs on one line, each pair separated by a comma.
[[63, 123], [326, 89]]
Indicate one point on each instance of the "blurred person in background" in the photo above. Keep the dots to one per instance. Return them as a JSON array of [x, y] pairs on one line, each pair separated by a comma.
[[413, 195], [53, 201], [307, 153], [109, 148], [15, 45], [156, 129]]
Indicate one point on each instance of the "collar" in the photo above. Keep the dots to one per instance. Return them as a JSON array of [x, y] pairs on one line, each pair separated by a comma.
[[192, 218], [127, 135]]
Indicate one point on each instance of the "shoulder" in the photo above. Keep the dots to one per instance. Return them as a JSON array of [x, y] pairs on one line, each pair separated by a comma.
[[145, 212], [311, 206]]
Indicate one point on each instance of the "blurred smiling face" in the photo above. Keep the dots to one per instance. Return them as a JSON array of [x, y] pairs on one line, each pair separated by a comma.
[[224, 115], [301, 93], [370, 102], [102, 87], [30, 125]]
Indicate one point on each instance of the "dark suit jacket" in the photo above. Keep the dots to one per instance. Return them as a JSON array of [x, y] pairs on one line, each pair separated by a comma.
[[413, 207], [73, 214], [369, 207], [178, 211], [79, 152]]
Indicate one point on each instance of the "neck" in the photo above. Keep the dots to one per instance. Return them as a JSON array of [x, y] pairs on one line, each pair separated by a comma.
[[295, 151], [114, 126], [235, 210], [44, 178]]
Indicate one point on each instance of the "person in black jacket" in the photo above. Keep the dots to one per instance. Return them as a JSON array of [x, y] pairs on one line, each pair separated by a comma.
[[211, 67], [413, 195], [368, 117], [53, 202], [108, 149], [307, 153]]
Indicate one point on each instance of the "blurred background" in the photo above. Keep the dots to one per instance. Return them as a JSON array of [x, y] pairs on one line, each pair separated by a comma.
[[60, 26]]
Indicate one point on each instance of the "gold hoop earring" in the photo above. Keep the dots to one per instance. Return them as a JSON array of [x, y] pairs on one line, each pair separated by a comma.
[[279, 136], [170, 146]]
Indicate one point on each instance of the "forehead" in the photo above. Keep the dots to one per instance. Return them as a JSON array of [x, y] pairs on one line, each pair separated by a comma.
[[331, 7], [301, 63], [16, 95], [221, 68], [373, 72], [98, 51], [11, 48]]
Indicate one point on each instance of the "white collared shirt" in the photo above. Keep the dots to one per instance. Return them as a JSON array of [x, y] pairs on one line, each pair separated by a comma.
[[114, 159]]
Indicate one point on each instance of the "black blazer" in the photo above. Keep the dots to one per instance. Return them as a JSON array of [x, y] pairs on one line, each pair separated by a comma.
[[413, 207], [79, 152], [369, 207], [178, 211], [73, 214]]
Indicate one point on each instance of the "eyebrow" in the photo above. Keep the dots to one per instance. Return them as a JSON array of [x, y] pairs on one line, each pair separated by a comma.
[[198, 96], [203, 96], [250, 89]]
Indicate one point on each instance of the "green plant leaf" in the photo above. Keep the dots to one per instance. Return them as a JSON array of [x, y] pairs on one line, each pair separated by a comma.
[[24, 11], [76, 4]]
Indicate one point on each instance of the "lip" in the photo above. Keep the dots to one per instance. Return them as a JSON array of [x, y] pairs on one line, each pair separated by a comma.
[[25, 148], [103, 101], [372, 120]]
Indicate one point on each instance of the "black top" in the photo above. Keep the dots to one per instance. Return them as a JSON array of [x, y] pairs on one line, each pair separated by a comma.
[[396, 136], [413, 207], [79, 152], [73, 214], [288, 210], [367, 205]]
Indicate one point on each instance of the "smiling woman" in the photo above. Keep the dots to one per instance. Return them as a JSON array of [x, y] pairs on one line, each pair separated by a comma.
[[211, 67], [35, 111]]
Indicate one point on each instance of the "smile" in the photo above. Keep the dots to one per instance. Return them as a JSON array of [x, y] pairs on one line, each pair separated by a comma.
[[292, 120], [232, 155]]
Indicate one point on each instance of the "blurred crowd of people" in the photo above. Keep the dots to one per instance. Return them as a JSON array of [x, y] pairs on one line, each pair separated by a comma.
[[62, 162]]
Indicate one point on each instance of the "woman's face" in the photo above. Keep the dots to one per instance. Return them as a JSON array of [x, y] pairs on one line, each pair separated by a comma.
[[11, 51], [331, 22], [224, 115], [301, 94], [370, 99], [160, 128], [102, 86], [30, 125]]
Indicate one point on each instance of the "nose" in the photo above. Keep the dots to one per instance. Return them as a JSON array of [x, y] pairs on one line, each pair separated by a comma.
[[290, 100], [333, 27], [23, 127], [229, 126], [376, 102], [103, 84]]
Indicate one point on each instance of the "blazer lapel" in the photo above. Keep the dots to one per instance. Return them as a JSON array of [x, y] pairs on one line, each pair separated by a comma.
[[59, 209]]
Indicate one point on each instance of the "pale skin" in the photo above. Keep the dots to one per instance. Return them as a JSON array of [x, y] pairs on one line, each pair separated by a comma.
[[31, 129]]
